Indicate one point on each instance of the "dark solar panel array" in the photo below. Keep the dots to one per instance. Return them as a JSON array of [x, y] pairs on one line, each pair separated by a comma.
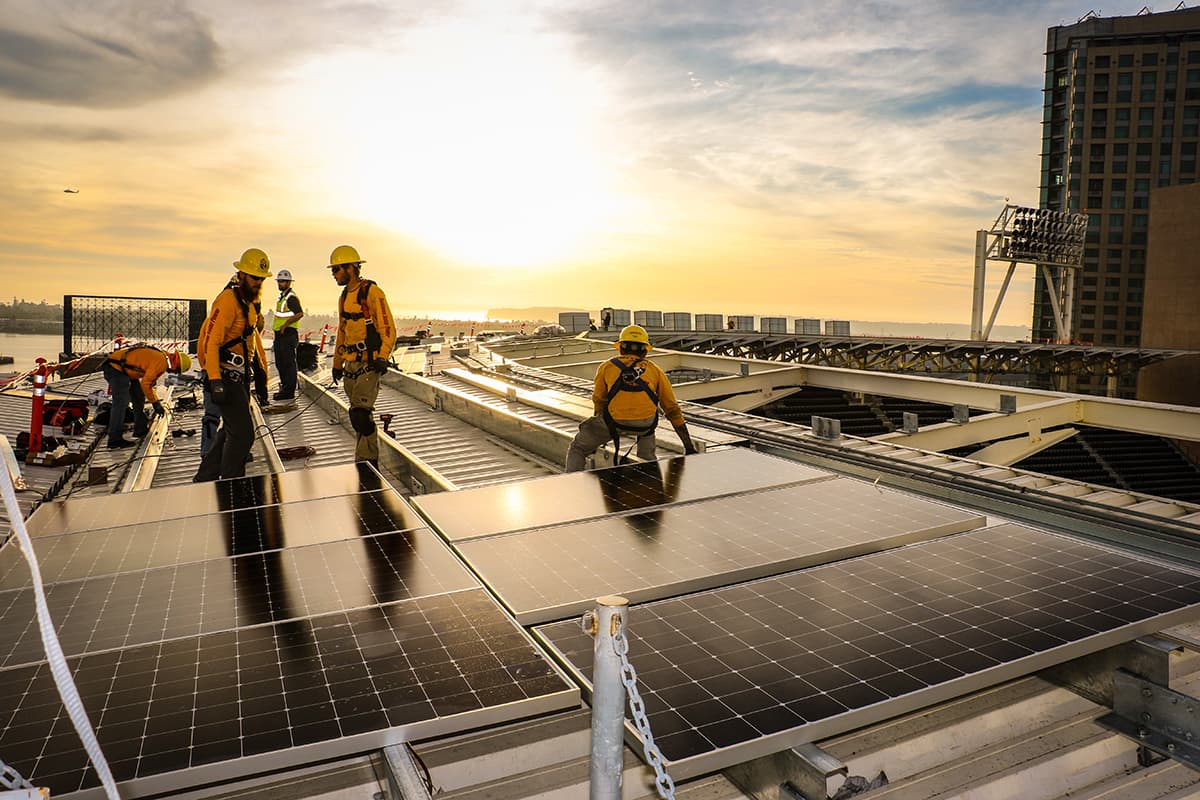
[[487, 510], [182, 712], [131, 608], [207, 647], [552, 573], [746, 670]]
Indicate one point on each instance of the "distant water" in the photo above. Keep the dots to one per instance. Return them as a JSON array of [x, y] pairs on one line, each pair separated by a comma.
[[27, 348]]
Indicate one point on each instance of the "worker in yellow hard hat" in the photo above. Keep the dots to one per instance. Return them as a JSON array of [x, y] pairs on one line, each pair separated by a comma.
[[366, 335], [131, 373], [627, 394], [288, 313], [231, 352]]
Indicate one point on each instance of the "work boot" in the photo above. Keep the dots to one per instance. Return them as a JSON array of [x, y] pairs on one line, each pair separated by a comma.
[[122, 443]]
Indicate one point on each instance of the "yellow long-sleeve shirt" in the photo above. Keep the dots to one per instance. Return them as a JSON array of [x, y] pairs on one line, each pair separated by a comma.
[[227, 321], [143, 364], [635, 405], [352, 331]]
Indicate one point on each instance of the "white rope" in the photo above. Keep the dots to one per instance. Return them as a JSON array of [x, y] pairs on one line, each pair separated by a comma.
[[54, 653]]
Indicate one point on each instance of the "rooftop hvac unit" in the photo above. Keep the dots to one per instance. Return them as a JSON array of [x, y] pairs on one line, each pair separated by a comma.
[[648, 319]]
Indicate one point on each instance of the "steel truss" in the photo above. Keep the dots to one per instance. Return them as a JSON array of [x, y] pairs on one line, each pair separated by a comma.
[[1038, 363]]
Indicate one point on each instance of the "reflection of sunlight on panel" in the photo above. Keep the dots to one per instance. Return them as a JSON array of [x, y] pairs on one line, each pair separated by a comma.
[[514, 501], [483, 141]]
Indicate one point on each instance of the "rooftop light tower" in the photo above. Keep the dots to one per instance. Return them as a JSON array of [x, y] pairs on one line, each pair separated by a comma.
[[1050, 240]]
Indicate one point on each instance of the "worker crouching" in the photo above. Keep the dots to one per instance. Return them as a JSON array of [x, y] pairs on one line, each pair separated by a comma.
[[627, 395]]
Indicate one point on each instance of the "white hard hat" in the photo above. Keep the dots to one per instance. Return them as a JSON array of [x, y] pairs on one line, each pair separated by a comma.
[[283, 275]]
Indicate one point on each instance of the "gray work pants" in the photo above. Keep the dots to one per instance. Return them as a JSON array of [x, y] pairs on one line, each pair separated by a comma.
[[593, 434]]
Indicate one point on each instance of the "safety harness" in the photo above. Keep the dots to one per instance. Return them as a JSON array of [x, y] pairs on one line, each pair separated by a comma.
[[372, 342], [243, 359], [120, 364], [630, 380]]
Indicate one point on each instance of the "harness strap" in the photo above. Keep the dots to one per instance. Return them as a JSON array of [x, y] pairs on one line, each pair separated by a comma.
[[373, 340], [124, 367], [230, 357], [628, 381]]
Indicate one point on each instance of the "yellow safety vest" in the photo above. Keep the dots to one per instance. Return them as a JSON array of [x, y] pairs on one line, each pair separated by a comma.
[[283, 317]]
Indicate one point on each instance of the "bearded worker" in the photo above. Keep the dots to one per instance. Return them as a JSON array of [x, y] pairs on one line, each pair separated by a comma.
[[231, 352]]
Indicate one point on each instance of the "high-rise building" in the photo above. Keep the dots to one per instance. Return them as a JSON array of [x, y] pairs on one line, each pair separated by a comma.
[[1121, 116]]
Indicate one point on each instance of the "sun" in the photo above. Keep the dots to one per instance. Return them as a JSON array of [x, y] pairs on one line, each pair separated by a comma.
[[482, 138]]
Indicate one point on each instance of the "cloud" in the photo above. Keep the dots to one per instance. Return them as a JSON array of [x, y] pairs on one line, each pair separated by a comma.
[[103, 53], [70, 133]]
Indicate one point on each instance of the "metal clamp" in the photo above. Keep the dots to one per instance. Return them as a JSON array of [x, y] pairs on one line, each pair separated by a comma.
[[1159, 719]]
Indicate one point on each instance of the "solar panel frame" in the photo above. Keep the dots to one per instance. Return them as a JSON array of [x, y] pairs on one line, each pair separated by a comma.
[[129, 548], [201, 499], [929, 650], [493, 510], [552, 573]]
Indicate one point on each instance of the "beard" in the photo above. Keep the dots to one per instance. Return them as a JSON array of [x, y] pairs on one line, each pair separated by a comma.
[[250, 292]]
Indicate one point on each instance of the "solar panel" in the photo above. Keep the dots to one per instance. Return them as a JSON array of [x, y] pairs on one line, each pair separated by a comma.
[[487, 510], [554, 572], [130, 548], [219, 706], [198, 499], [134, 608], [743, 671]]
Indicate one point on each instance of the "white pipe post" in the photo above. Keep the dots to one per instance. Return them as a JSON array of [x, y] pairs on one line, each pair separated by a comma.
[[608, 701], [980, 285]]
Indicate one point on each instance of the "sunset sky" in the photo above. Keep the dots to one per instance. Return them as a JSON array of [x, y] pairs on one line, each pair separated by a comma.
[[828, 159]]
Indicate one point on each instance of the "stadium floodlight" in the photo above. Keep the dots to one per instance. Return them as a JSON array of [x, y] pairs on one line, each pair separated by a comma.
[[1050, 240]]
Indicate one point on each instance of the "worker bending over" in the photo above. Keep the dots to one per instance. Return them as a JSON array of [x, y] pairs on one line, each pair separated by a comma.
[[366, 335], [230, 351], [628, 392], [131, 373]]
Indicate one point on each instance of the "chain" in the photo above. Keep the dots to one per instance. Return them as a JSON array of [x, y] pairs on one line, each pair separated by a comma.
[[663, 782], [11, 779]]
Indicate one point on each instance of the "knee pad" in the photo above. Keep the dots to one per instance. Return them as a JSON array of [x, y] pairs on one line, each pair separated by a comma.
[[362, 420]]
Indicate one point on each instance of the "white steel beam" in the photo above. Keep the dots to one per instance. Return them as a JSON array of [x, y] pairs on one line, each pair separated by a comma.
[[949, 435], [753, 400], [1010, 451]]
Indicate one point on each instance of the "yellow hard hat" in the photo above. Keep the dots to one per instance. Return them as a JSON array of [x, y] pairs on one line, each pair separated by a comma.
[[344, 254], [179, 361], [254, 262], [633, 333]]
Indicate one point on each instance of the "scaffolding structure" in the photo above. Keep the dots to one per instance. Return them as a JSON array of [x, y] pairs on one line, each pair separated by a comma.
[[91, 322]]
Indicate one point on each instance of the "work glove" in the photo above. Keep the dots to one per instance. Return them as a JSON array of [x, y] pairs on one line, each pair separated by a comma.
[[216, 390], [684, 436], [159, 411], [380, 365], [338, 374]]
